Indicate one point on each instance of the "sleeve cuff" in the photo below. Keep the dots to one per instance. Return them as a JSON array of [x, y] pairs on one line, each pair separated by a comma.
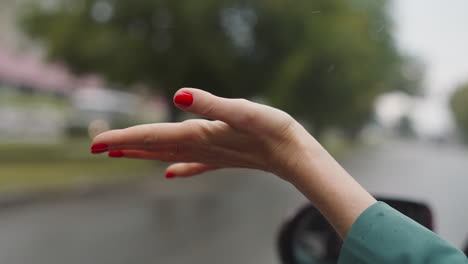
[[383, 235]]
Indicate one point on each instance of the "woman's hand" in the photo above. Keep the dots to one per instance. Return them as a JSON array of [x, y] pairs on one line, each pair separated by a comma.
[[245, 135]]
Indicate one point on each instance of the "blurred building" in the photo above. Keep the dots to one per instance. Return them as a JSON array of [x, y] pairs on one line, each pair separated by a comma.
[[32, 97], [42, 101], [29, 91]]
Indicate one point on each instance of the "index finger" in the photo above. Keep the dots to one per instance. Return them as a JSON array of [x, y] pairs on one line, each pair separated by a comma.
[[143, 135]]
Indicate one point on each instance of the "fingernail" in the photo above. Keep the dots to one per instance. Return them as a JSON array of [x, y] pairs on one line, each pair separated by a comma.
[[116, 154], [99, 148], [184, 99], [170, 175]]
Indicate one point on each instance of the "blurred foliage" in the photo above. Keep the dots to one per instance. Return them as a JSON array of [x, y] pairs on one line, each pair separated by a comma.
[[459, 104], [320, 60]]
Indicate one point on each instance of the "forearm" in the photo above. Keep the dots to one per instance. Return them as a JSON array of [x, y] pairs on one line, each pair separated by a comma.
[[325, 183]]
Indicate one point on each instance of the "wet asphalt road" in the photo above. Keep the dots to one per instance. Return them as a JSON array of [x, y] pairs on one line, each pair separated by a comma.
[[230, 217], [227, 217]]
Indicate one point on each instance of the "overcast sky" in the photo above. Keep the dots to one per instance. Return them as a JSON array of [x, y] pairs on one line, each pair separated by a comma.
[[436, 31]]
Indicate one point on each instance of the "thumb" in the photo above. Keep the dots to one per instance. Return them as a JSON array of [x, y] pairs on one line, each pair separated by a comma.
[[231, 111]]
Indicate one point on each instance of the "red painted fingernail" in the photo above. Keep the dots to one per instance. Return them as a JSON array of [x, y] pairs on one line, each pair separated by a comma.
[[170, 175], [116, 154], [184, 99], [99, 146]]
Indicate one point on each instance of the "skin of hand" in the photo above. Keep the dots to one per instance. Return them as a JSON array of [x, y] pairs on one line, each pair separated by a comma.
[[243, 135]]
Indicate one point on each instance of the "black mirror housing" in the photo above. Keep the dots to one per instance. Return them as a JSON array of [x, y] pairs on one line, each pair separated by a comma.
[[307, 237]]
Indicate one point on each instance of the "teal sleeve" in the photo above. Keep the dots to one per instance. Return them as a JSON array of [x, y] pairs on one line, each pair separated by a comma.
[[383, 235]]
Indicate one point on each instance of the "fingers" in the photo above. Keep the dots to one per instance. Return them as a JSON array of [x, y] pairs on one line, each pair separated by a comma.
[[165, 137], [168, 149], [138, 154], [232, 111], [188, 169]]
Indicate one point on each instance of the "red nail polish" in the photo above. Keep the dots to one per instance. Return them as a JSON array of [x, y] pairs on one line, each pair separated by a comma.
[[116, 154], [170, 175], [99, 146], [184, 99]]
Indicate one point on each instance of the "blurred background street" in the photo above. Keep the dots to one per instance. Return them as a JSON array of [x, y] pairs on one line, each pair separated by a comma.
[[231, 216], [227, 217], [383, 85]]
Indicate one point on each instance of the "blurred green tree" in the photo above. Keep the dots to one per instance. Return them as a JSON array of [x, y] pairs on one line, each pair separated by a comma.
[[459, 104], [323, 61]]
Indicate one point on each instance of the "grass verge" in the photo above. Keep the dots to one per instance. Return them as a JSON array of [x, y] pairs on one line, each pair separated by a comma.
[[50, 166]]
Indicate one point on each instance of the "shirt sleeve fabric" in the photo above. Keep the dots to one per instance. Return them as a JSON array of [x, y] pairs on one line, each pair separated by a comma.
[[382, 235]]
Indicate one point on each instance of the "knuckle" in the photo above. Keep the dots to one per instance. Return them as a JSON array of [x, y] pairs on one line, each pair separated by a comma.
[[150, 138], [198, 131], [242, 100], [208, 110], [286, 129], [249, 118]]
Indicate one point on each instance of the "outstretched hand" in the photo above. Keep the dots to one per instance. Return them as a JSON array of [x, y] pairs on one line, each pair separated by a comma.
[[244, 134]]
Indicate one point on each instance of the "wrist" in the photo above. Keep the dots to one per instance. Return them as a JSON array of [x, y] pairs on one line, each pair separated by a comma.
[[301, 149], [314, 172]]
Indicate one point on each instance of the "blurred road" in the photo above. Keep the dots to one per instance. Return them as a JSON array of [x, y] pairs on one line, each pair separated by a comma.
[[226, 217]]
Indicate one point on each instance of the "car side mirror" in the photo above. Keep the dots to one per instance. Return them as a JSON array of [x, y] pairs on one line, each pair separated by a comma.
[[307, 237]]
